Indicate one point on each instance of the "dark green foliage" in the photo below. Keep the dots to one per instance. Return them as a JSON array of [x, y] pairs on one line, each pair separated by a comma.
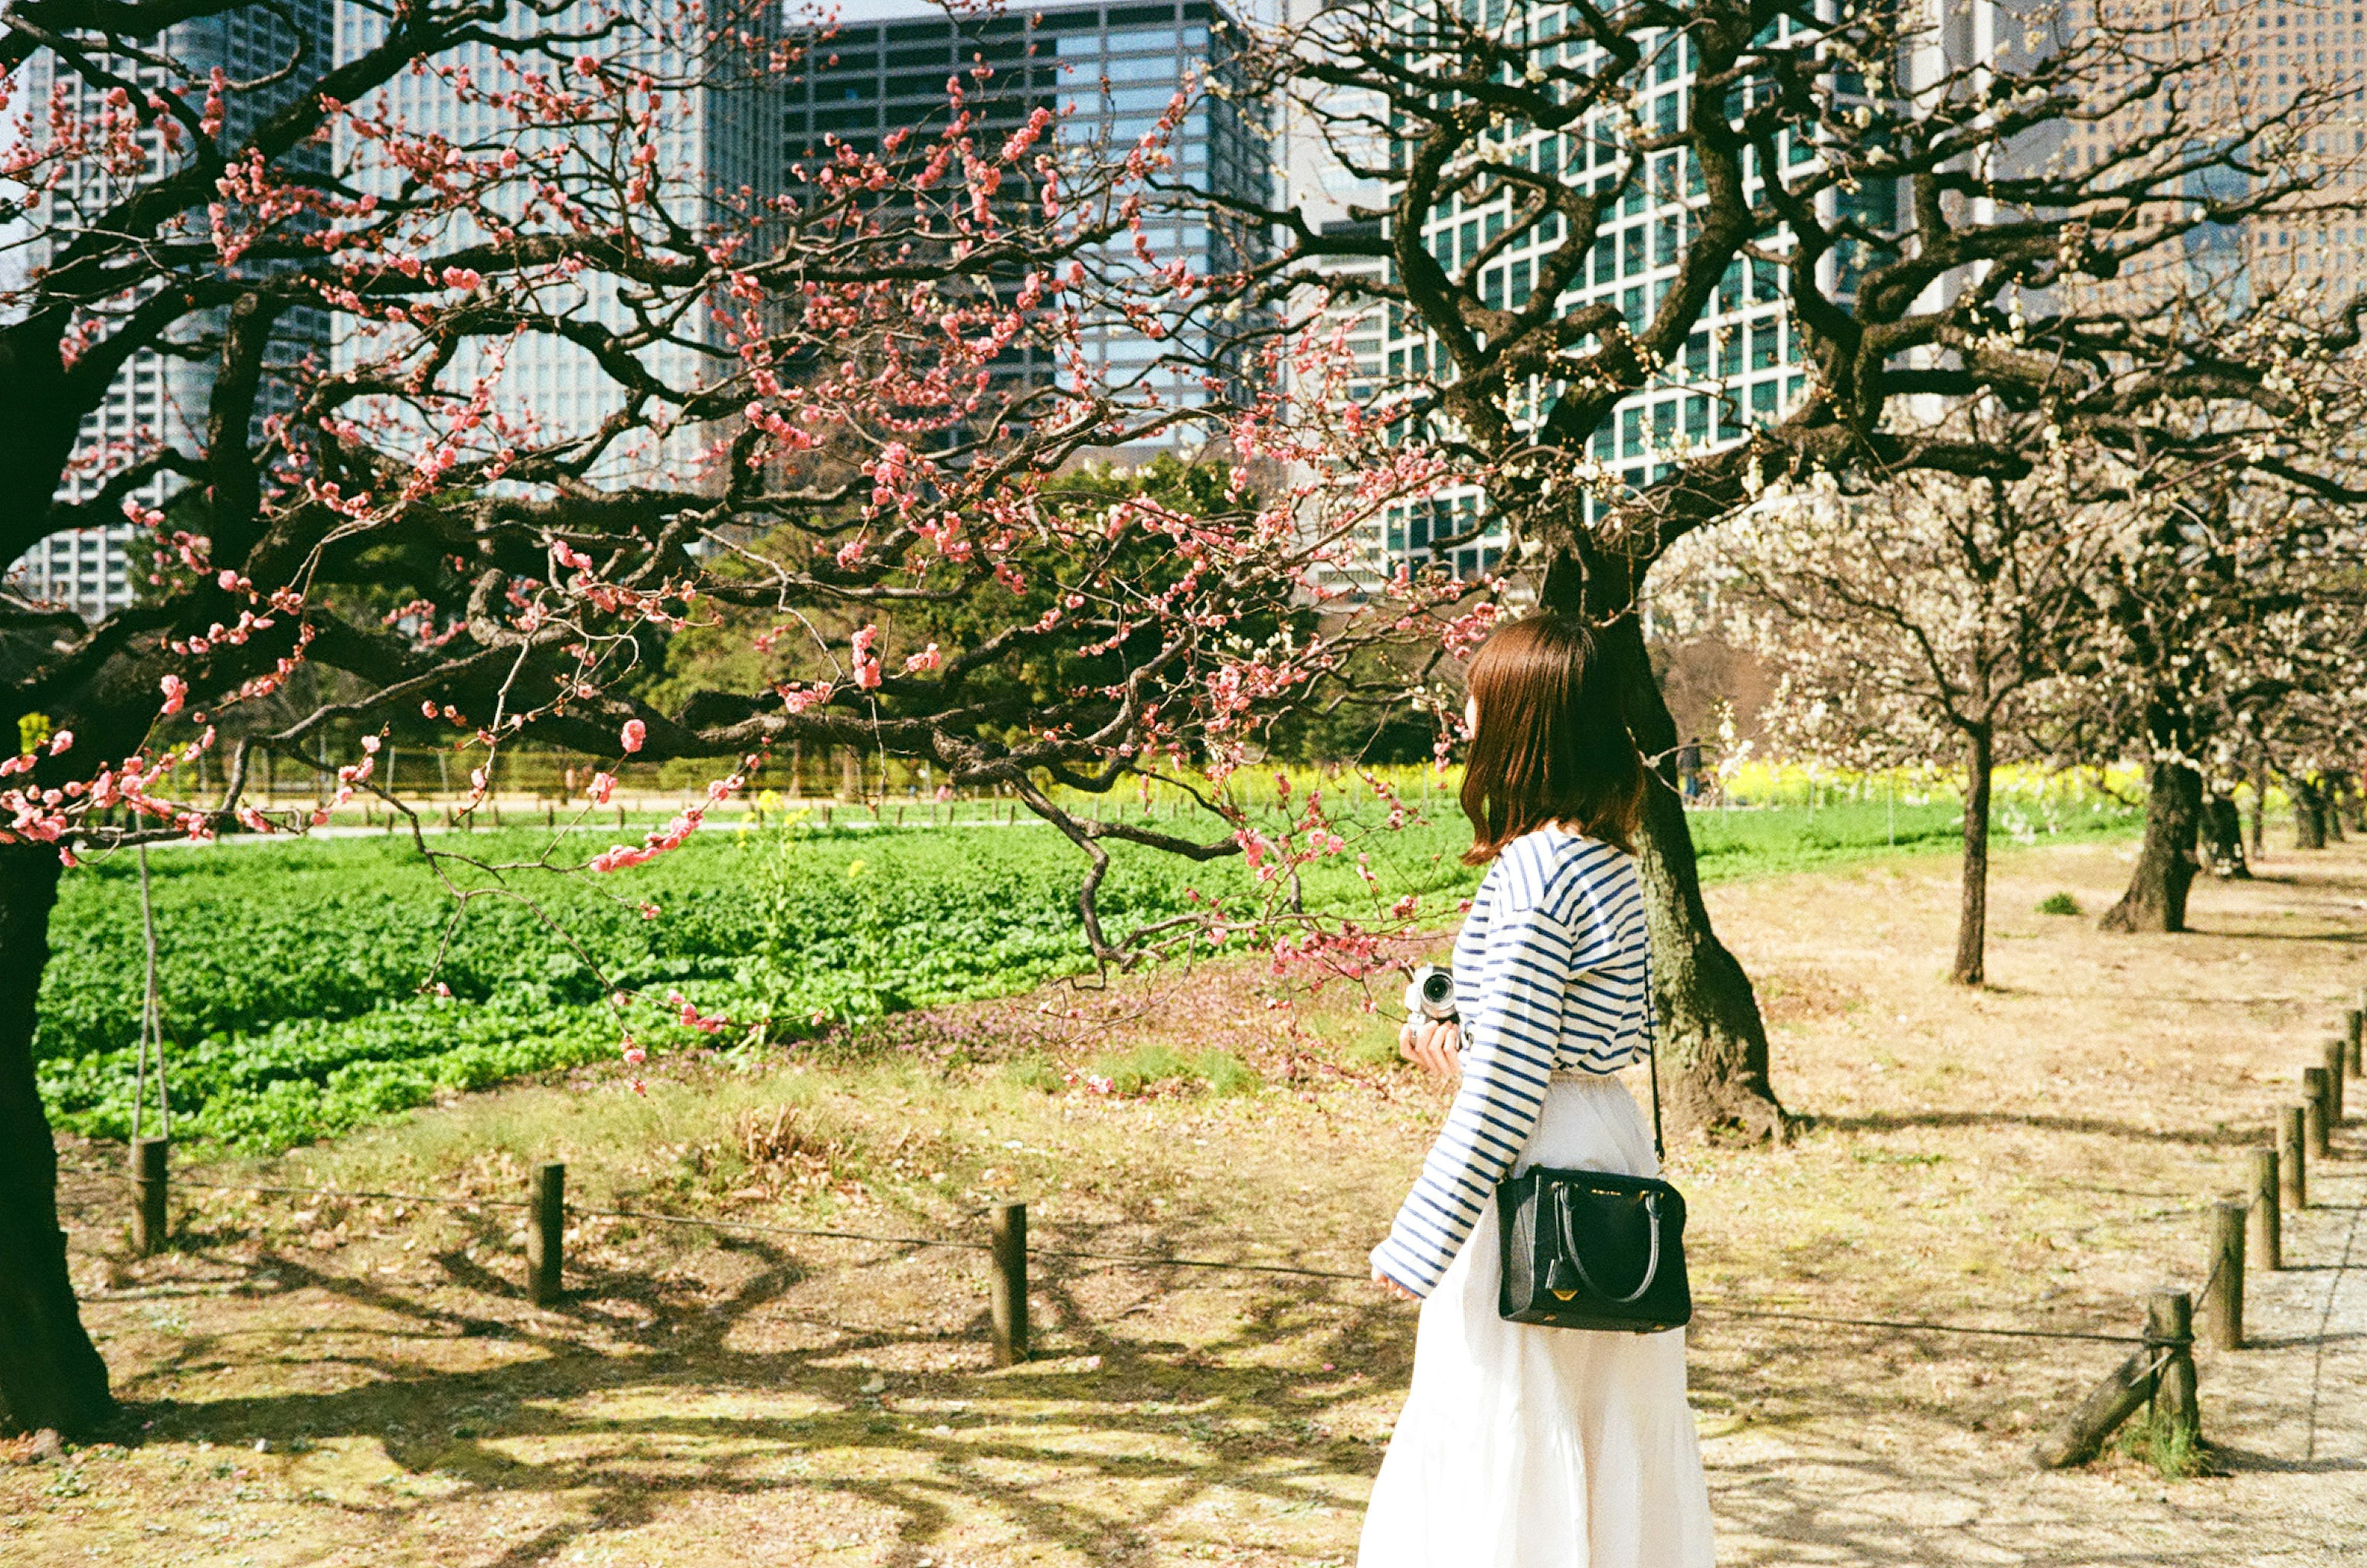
[[296, 978]]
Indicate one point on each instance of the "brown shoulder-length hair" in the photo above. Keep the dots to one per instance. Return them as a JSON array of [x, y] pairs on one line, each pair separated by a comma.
[[1551, 744]]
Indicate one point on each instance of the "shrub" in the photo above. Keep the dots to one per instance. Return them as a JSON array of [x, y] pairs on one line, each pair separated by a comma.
[[2058, 904]]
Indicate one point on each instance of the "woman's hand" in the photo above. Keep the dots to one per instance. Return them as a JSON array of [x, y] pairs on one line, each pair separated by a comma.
[[1431, 1046], [1391, 1288]]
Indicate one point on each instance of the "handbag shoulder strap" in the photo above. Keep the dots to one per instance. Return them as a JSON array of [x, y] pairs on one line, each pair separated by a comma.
[[1652, 1055]]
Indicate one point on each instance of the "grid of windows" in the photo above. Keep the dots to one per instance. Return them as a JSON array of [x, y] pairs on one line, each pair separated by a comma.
[[155, 398], [1740, 368], [1109, 70], [2245, 65], [722, 137]]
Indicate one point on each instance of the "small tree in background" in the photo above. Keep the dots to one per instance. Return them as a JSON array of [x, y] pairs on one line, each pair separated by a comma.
[[1922, 622]]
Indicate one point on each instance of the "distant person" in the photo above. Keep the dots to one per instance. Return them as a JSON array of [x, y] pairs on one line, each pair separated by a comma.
[[1689, 769], [1523, 1446]]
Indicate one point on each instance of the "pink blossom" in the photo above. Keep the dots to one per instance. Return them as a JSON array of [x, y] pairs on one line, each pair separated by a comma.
[[633, 733], [62, 743], [602, 787], [177, 691], [866, 664]]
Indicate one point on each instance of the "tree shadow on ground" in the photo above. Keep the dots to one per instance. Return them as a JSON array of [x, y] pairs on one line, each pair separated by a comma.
[[632, 1400]]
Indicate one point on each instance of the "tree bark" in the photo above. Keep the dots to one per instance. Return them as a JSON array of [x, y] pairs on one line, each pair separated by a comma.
[[50, 1374], [1712, 1043], [2223, 837], [2309, 814], [1973, 914], [2260, 811], [2156, 898]]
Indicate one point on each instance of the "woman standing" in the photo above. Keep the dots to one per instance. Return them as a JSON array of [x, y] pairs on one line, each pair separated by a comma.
[[1521, 1446]]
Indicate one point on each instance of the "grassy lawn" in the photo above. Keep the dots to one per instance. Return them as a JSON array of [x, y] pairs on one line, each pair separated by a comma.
[[308, 988]]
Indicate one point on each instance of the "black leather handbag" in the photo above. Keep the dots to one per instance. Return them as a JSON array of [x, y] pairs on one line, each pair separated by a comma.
[[1588, 1250]]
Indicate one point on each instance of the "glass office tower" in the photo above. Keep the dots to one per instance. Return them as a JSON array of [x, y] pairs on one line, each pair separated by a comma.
[[155, 398], [1108, 70]]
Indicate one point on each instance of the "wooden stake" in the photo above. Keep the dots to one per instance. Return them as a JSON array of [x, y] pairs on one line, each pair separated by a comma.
[[2168, 1320], [1009, 1301], [2293, 1156], [2267, 1225], [148, 1216], [2318, 1098], [2223, 1294], [2338, 1052], [2169, 1333], [545, 1238], [2351, 1022]]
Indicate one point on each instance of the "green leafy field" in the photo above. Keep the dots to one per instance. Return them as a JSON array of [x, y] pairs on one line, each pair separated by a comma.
[[299, 980]]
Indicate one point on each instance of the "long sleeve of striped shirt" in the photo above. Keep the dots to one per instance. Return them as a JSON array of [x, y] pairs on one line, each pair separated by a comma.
[[1512, 1025]]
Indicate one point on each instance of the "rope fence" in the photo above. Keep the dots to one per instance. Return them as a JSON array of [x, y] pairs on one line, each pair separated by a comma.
[[1130, 1259], [2159, 1372]]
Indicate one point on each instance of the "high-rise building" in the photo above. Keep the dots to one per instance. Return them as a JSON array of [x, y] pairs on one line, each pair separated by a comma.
[[2242, 65], [160, 399], [1109, 69], [717, 155]]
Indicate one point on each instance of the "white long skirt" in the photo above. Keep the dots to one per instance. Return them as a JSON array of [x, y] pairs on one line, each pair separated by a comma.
[[1523, 1447]]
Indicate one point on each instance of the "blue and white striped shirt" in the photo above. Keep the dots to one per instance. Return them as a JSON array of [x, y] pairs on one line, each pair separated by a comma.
[[1552, 974]]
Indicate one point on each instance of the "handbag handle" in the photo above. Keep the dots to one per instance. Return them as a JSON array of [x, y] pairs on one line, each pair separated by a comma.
[[1568, 1224]]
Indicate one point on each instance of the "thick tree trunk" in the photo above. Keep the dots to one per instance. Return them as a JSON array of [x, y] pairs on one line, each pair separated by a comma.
[[2223, 838], [2336, 805], [2156, 899], [2259, 813], [2309, 814], [1973, 915], [1713, 1044], [50, 1374]]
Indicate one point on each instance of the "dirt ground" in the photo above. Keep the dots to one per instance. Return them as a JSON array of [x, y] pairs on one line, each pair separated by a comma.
[[363, 1382]]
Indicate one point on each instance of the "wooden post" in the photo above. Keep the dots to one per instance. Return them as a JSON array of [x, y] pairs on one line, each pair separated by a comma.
[[551, 813], [1009, 1301], [2316, 1100], [544, 1237], [149, 1217], [2267, 1225], [620, 816], [2169, 1333], [2223, 1291], [2337, 1051], [2143, 1377], [2293, 1156], [2351, 1024]]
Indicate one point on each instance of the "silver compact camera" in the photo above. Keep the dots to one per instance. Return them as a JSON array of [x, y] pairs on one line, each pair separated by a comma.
[[1431, 993]]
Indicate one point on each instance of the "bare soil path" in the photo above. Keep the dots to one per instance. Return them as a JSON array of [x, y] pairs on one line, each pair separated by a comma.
[[362, 1382]]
